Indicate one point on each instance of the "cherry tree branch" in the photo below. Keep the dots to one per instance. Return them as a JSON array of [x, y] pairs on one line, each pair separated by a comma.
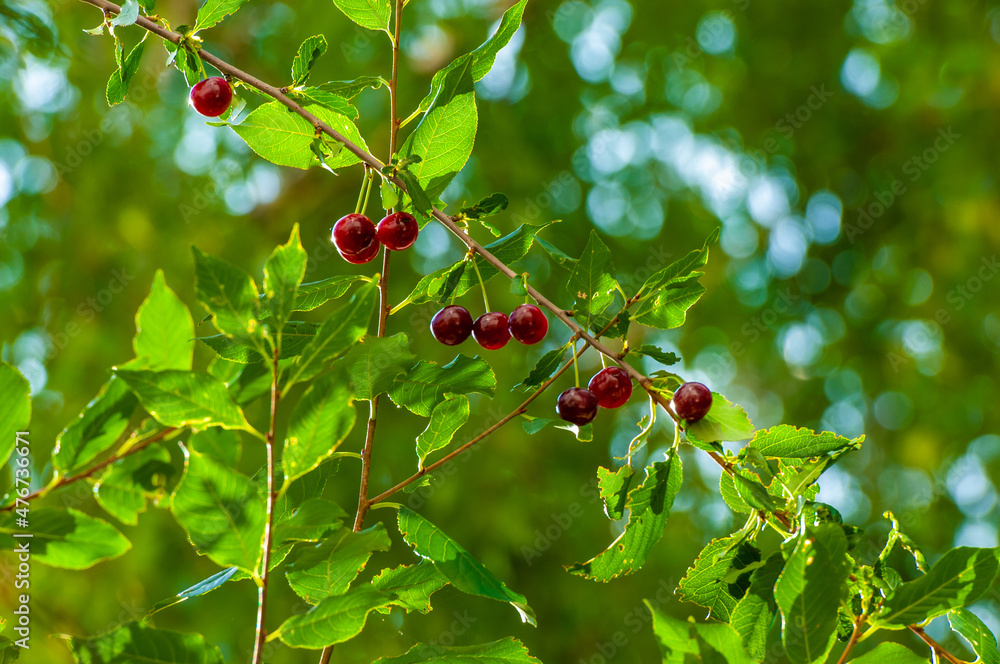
[[93, 469], [261, 630], [938, 649]]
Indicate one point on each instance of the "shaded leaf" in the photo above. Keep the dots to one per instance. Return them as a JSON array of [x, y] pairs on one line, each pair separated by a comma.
[[125, 486], [374, 363], [411, 586], [65, 538], [15, 413], [446, 418], [185, 398], [309, 52], [508, 650], [135, 642], [426, 385], [709, 581], [546, 366], [334, 620], [328, 568], [320, 422], [724, 421], [755, 612]]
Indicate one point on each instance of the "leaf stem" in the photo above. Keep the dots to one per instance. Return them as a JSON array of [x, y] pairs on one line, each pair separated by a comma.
[[936, 647], [261, 631], [853, 640]]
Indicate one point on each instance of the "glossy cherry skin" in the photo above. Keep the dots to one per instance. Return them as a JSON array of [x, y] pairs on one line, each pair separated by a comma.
[[528, 324], [692, 401], [577, 405], [212, 96], [398, 231], [452, 325], [491, 331], [354, 234], [363, 256], [611, 386]]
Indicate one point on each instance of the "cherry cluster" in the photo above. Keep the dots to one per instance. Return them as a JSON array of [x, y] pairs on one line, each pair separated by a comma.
[[612, 387], [212, 96], [358, 239], [453, 325]]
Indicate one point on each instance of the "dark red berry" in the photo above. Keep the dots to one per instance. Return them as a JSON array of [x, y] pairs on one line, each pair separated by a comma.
[[398, 231], [490, 330], [363, 256], [354, 234], [528, 324], [692, 401], [212, 96], [452, 325], [611, 386], [577, 405]]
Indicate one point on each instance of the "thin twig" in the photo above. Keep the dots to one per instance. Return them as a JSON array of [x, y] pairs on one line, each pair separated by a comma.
[[261, 633], [855, 635], [938, 649], [93, 469]]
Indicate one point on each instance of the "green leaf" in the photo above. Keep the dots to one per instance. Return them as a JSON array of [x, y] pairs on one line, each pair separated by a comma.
[[296, 335], [491, 205], [309, 52], [314, 294], [591, 282], [128, 15], [65, 538], [203, 587], [185, 398], [350, 89], [124, 487], [446, 133], [334, 620], [426, 385], [135, 642], [614, 487], [484, 56], [320, 422], [465, 572], [809, 592], [705, 642], [374, 363], [309, 96], [213, 11], [710, 583], [890, 653], [446, 418], [230, 297], [411, 585], [557, 254], [973, 630], [221, 511], [283, 137], [15, 411], [509, 249], [310, 522], [164, 337], [328, 568], [283, 273], [339, 332], [663, 357], [506, 651], [451, 283], [682, 270], [958, 579], [184, 60], [667, 308], [121, 78], [724, 421], [371, 14], [101, 423], [546, 366], [221, 444], [649, 507], [754, 614], [754, 494], [788, 442]]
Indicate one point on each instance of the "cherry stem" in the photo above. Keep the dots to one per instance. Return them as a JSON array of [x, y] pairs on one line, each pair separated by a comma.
[[482, 285], [361, 193], [576, 365], [368, 189]]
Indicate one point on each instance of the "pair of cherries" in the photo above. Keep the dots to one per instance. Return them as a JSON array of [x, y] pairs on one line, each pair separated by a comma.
[[612, 387], [358, 240], [453, 325]]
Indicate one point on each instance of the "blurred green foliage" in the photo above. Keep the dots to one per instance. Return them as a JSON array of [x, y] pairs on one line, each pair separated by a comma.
[[847, 150]]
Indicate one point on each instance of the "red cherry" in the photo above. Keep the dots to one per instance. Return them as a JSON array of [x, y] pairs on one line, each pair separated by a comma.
[[611, 386], [528, 324], [491, 331], [452, 325], [354, 234], [398, 231], [692, 401], [577, 405], [363, 256], [212, 96]]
